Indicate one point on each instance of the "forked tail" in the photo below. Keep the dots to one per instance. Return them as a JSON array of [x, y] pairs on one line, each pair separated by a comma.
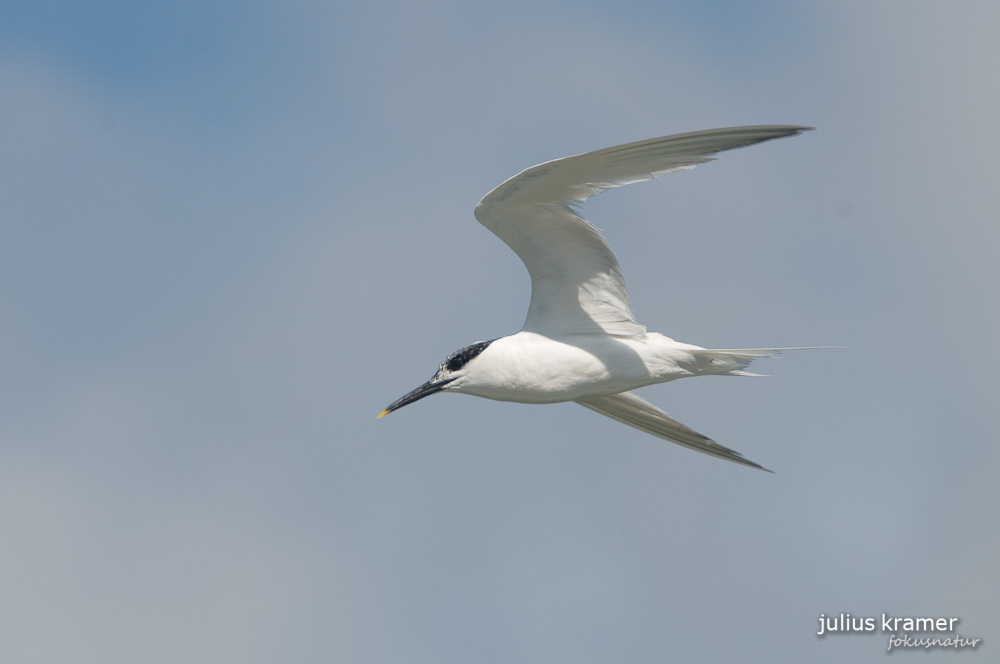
[[733, 361]]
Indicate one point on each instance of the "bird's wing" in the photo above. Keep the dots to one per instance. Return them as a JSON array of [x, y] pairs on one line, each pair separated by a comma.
[[639, 413], [576, 284]]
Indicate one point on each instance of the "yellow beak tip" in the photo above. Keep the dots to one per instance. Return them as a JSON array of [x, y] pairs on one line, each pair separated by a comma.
[[382, 414]]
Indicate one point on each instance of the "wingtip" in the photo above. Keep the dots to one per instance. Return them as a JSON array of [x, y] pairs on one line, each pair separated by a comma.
[[743, 461]]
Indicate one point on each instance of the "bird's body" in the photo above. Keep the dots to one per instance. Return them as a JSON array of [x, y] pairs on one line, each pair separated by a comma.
[[528, 367], [580, 340]]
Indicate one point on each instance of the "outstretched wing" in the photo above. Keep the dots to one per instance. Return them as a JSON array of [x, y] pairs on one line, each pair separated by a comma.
[[576, 284], [639, 413]]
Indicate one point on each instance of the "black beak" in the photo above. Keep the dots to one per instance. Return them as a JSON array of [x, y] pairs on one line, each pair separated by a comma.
[[425, 390]]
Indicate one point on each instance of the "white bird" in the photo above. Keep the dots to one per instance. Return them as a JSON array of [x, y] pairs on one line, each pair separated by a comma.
[[580, 341]]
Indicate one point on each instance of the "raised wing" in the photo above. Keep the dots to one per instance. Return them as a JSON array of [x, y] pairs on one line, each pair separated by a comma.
[[639, 413], [576, 284]]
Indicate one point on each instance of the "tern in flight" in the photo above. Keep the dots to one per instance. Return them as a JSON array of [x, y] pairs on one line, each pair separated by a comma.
[[580, 341]]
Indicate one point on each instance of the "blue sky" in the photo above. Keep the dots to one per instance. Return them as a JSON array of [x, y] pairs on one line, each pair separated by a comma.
[[234, 232]]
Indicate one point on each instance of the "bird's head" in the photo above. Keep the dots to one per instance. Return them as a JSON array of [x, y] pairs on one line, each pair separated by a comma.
[[448, 377]]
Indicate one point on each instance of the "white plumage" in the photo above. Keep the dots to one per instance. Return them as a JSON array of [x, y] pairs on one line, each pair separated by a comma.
[[580, 340]]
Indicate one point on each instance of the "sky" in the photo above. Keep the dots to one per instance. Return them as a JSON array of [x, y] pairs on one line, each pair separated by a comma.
[[233, 232]]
